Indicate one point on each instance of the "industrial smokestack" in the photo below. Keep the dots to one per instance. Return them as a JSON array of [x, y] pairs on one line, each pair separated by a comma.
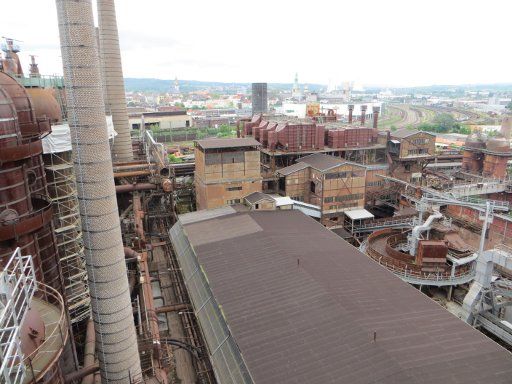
[[350, 113], [363, 114], [116, 342], [376, 111], [506, 127], [110, 55], [259, 98]]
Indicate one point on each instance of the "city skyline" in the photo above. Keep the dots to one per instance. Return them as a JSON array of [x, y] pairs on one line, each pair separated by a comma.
[[381, 43]]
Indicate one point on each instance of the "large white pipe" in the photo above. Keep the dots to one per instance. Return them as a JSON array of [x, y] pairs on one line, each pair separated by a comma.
[[112, 70], [116, 342], [416, 231]]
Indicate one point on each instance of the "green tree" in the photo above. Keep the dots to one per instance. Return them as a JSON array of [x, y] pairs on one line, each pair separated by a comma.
[[174, 159]]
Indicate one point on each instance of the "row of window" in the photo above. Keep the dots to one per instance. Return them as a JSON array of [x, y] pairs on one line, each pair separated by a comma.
[[343, 175], [420, 141], [230, 189], [418, 151], [375, 183], [350, 204], [339, 199], [233, 201]]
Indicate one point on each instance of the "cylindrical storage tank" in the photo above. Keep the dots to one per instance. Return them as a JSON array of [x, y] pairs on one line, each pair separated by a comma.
[[45, 105], [498, 144], [28, 124]]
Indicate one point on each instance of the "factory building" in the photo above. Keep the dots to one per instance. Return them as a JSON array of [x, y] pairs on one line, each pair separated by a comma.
[[226, 171], [410, 151], [163, 120], [332, 184], [259, 98], [295, 302]]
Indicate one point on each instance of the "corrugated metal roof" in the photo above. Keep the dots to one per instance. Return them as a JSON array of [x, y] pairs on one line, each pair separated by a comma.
[[404, 132], [303, 306], [292, 168], [227, 143], [257, 196], [323, 162], [359, 214]]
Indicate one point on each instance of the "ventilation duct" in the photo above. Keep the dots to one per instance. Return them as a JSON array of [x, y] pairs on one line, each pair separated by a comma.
[[116, 342]]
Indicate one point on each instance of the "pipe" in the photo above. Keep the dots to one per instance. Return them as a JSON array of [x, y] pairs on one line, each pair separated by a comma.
[[116, 342], [127, 167], [131, 174], [363, 114], [90, 339], [416, 231], [81, 373], [134, 187], [375, 111], [350, 113], [110, 54], [172, 308]]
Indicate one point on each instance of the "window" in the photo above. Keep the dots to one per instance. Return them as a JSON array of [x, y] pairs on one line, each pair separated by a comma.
[[187, 123], [233, 201], [233, 189], [328, 199], [257, 206], [417, 151], [312, 187]]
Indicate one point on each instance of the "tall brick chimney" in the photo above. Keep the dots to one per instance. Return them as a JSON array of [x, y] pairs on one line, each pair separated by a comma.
[[363, 113], [350, 112], [376, 111]]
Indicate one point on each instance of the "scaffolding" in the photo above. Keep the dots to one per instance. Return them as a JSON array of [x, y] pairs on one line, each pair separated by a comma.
[[66, 217]]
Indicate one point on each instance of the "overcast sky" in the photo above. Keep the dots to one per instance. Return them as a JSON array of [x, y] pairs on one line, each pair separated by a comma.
[[384, 42]]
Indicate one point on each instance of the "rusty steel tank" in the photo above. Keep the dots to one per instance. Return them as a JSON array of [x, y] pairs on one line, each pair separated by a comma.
[[496, 157], [472, 160], [25, 209]]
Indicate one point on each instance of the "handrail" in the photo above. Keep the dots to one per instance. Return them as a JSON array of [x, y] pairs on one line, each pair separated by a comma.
[[52, 297]]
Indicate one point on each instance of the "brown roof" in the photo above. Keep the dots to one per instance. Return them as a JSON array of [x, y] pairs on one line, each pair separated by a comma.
[[228, 143], [404, 132], [257, 196], [323, 162], [292, 168], [303, 306]]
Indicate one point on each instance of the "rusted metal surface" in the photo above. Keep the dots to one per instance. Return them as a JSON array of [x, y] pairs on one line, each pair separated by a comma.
[[89, 352], [29, 224], [21, 152], [45, 105], [363, 114], [81, 373], [131, 174], [147, 292], [29, 125], [135, 187]]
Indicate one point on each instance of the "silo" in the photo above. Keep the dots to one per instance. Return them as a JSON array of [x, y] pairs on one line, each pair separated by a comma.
[[259, 98]]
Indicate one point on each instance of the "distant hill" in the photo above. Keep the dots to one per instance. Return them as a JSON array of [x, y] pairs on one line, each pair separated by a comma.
[[159, 85]]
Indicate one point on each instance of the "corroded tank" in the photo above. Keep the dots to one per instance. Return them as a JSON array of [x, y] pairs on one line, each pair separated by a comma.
[[496, 158], [472, 160], [25, 210]]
